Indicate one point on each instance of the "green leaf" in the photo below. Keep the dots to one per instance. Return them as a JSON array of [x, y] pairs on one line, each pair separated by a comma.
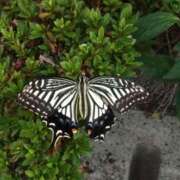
[[29, 173], [126, 11], [106, 19], [66, 65], [48, 4], [42, 178], [59, 23], [113, 3], [151, 25], [173, 4], [92, 36], [156, 66], [37, 30], [174, 73], [27, 8], [100, 34]]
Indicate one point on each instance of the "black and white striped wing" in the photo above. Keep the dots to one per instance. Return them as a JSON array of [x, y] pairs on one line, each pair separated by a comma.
[[100, 116], [55, 100], [107, 93]]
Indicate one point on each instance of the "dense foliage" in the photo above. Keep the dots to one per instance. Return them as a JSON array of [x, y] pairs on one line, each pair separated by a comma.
[[55, 38], [59, 38]]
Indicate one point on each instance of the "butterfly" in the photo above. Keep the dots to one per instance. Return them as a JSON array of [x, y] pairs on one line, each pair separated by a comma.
[[62, 102]]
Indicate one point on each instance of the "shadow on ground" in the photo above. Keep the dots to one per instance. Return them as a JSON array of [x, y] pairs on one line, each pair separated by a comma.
[[111, 159]]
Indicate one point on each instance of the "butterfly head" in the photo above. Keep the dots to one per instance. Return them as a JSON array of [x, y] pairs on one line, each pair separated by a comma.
[[82, 78]]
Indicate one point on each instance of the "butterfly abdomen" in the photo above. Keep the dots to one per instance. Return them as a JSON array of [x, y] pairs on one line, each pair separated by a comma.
[[82, 91]]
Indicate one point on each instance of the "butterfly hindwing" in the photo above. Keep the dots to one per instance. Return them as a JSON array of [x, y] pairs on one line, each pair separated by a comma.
[[55, 101], [100, 116], [105, 94]]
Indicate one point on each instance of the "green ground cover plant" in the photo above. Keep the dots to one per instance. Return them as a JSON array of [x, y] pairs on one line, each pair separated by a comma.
[[60, 38], [55, 38]]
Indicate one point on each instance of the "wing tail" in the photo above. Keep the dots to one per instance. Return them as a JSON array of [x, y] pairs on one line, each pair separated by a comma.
[[61, 127]]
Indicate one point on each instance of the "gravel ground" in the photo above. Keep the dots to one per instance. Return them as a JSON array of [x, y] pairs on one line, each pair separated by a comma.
[[110, 160]]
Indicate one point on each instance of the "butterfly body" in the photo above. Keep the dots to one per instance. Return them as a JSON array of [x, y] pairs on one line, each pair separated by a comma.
[[83, 87], [61, 102]]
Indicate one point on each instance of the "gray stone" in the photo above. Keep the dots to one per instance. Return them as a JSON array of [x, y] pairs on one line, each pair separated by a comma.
[[110, 160]]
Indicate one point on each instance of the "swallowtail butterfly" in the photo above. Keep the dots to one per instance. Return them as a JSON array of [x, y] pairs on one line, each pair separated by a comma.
[[61, 102]]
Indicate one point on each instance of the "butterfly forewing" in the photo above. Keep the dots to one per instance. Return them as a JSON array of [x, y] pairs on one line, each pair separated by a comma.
[[118, 93], [55, 100]]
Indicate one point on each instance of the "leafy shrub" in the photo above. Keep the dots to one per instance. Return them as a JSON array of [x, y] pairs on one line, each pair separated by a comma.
[[67, 34], [158, 41]]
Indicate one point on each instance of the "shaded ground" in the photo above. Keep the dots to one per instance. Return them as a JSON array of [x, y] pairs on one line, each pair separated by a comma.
[[110, 160]]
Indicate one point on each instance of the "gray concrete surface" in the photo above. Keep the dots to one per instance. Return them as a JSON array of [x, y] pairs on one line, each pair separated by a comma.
[[110, 160]]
